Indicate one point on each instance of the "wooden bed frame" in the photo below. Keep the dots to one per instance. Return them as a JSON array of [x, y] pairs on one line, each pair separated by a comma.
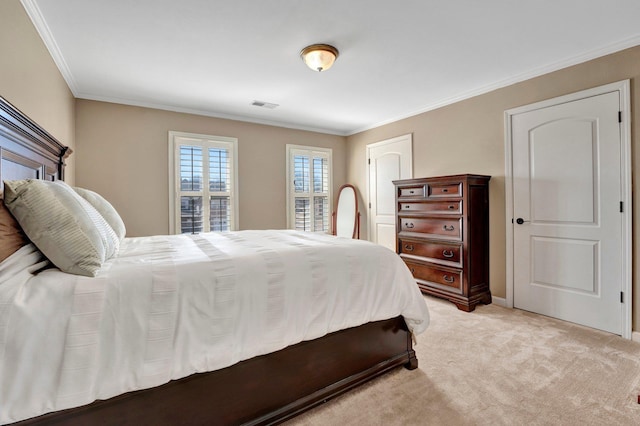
[[267, 389]]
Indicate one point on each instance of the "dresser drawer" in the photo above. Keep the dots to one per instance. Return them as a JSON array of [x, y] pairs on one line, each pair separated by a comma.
[[443, 207], [412, 191], [450, 279], [432, 251], [440, 228], [445, 189]]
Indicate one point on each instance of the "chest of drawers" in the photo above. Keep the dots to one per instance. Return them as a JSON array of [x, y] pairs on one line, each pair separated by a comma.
[[442, 234]]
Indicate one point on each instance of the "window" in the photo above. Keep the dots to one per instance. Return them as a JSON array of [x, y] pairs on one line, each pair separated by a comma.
[[308, 188], [203, 182]]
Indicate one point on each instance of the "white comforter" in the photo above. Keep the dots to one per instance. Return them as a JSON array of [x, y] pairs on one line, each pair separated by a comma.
[[171, 306]]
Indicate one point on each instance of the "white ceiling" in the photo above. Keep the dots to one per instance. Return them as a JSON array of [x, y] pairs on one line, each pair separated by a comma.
[[397, 57]]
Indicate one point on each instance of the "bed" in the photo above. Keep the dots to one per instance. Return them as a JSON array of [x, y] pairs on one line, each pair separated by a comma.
[[287, 362]]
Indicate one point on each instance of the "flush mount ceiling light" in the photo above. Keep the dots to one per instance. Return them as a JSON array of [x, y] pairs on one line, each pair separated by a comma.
[[319, 57]]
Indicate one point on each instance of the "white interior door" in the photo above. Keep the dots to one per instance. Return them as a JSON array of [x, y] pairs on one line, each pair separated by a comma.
[[568, 247], [388, 160]]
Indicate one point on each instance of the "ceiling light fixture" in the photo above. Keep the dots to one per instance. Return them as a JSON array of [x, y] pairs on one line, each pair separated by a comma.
[[319, 57]]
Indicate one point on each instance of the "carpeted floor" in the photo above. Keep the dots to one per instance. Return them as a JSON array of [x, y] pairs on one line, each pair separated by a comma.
[[498, 366]]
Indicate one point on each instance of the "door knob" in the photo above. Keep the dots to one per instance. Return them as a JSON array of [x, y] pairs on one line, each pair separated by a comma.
[[520, 221]]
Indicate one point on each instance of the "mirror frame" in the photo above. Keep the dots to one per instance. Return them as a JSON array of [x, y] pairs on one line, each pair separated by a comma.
[[334, 216]]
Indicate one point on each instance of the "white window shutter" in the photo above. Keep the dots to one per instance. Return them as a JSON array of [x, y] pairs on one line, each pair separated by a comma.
[[204, 182], [309, 188]]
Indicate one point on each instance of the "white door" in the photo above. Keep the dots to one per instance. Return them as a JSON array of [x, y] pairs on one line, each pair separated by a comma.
[[568, 250], [388, 160]]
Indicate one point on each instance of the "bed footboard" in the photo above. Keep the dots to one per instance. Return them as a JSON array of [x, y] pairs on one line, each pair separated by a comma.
[[264, 390]]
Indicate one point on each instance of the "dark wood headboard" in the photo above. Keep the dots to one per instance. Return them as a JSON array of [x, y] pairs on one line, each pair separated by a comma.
[[26, 149]]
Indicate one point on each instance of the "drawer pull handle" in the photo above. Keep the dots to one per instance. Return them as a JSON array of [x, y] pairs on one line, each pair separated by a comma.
[[409, 225], [448, 278], [411, 192], [408, 247], [452, 207], [407, 206], [445, 190], [447, 253], [448, 228]]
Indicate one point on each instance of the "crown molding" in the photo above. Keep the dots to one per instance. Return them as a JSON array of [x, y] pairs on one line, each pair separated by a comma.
[[242, 118], [33, 11], [536, 72]]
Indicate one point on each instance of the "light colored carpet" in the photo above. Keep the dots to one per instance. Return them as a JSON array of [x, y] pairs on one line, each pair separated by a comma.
[[498, 366]]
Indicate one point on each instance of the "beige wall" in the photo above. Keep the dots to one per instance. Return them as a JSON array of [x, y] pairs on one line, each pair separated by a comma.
[[122, 153], [468, 137], [30, 80]]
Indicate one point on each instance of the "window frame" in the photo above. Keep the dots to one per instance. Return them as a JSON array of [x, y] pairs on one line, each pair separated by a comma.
[[307, 150], [178, 139]]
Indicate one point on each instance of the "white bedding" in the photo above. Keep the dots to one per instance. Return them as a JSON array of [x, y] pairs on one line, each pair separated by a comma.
[[171, 306]]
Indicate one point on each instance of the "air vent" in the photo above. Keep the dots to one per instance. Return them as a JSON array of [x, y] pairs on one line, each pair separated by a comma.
[[263, 104]]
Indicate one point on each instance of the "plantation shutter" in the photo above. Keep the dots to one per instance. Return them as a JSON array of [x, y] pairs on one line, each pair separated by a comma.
[[219, 189], [310, 182], [191, 178], [205, 191]]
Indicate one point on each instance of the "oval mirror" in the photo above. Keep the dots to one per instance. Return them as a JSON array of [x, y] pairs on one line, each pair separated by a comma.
[[346, 217]]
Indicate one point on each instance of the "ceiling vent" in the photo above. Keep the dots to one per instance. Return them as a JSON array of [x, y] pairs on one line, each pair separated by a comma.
[[262, 104]]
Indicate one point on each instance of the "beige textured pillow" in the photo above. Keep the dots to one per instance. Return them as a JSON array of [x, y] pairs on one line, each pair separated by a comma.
[[66, 228], [105, 208], [12, 238]]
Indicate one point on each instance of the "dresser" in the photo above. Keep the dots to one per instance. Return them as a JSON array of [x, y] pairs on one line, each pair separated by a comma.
[[442, 234]]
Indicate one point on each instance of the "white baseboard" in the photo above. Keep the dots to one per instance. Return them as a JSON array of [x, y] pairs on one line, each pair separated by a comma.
[[500, 301]]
